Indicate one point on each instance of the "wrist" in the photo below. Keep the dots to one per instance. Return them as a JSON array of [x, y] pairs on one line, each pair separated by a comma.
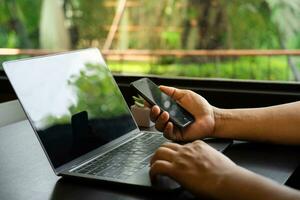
[[218, 115], [227, 182]]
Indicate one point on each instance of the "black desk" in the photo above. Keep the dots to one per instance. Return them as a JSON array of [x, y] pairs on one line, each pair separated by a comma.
[[26, 174]]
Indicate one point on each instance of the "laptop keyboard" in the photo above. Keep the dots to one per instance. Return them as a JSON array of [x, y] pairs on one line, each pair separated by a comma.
[[125, 160]]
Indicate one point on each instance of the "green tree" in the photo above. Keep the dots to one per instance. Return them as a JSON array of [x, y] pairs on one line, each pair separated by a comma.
[[19, 23], [53, 31]]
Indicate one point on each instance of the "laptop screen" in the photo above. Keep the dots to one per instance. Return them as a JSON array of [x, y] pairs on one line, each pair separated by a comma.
[[72, 101]]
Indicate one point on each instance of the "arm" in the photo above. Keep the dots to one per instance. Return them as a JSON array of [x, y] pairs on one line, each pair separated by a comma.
[[277, 124], [254, 186], [205, 171]]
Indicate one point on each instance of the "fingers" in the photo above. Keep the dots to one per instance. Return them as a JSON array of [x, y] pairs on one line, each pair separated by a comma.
[[172, 133], [171, 145], [175, 93], [168, 132], [163, 153], [161, 167], [155, 111], [162, 121], [162, 161]]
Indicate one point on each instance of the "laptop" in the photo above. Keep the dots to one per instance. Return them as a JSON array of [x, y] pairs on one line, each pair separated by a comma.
[[82, 120]]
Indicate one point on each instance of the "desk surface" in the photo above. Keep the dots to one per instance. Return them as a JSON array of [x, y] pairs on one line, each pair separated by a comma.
[[26, 174]]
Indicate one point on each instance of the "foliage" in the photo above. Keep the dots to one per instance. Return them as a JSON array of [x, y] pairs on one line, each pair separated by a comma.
[[19, 22], [250, 26], [138, 101], [90, 19], [285, 15], [171, 39], [257, 68], [169, 24]]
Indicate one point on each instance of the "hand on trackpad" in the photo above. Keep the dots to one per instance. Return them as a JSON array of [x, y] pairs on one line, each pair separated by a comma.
[[165, 183]]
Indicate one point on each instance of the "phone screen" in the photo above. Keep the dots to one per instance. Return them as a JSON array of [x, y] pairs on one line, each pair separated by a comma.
[[151, 92]]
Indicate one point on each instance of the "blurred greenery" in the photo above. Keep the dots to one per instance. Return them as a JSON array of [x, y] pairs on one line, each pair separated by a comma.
[[19, 22], [258, 68], [169, 24], [97, 76]]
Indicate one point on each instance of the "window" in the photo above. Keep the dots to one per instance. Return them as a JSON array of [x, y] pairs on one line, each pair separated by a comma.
[[257, 39]]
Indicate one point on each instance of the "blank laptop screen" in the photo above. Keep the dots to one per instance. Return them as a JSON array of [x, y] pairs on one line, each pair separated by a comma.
[[72, 101]]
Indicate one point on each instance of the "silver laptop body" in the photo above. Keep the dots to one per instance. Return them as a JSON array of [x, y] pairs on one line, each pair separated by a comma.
[[81, 118]]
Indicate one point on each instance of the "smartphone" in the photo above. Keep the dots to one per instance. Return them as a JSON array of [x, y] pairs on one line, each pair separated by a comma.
[[154, 96]]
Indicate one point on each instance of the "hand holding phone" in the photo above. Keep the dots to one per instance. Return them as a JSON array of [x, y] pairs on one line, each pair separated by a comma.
[[153, 95]]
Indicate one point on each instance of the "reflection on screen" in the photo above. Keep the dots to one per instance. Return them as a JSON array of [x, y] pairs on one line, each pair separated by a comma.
[[72, 101]]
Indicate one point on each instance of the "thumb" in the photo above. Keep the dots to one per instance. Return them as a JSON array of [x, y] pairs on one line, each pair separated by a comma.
[[174, 93]]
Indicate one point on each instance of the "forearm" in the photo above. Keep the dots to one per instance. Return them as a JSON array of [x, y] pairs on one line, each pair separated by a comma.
[[277, 124], [243, 184]]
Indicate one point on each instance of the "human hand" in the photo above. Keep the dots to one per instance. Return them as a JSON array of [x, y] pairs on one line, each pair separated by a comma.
[[203, 112], [196, 166]]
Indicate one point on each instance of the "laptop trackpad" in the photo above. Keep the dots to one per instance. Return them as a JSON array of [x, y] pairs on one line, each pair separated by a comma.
[[161, 183], [165, 183]]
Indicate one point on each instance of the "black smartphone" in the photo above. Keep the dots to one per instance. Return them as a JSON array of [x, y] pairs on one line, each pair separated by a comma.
[[154, 96]]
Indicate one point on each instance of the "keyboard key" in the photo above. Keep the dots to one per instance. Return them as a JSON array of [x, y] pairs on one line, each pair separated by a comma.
[[125, 160]]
